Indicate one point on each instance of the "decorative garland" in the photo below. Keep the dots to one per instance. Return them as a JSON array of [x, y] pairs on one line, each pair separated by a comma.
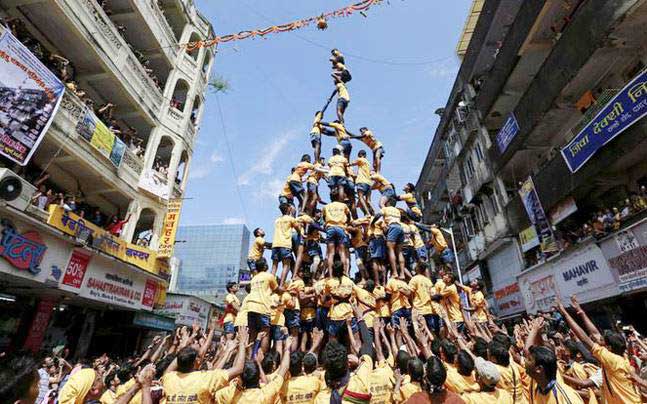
[[321, 21]]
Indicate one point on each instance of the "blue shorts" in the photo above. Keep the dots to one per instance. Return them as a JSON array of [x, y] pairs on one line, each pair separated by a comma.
[[361, 253], [414, 216], [335, 327], [447, 256], [388, 193], [377, 248], [342, 103], [292, 318], [398, 314], [313, 248], [422, 253], [409, 256], [363, 188], [312, 188], [281, 253], [286, 200], [434, 322], [251, 264], [346, 240], [307, 325], [315, 138], [257, 322], [321, 318], [379, 152], [349, 187], [296, 187], [335, 235], [296, 241], [229, 328], [347, 146], [395, 234], [277, 335], [336, 180]]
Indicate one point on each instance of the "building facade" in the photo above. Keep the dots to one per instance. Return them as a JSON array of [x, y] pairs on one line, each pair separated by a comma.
[[209, 257], [527, 164], [118, 149]]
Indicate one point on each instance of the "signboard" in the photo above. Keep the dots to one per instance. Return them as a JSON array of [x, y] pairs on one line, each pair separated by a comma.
[[584, 272], [101, 138], [562, 210], [471, 274], [76, 268], [39, 324], [626, 254], [149, 320], [508, 300], [155, 183], [23, 251], [117, 285], [141, 257], [622, 111], [186, 310], [169, 229], [528, 238], [537, 216], [29, 98], [507, 133]]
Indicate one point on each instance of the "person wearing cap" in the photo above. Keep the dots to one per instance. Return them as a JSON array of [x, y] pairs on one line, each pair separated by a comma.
[[487, 376], [82, 386]]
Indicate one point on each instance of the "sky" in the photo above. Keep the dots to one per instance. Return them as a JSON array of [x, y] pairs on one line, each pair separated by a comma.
[[403, 61]]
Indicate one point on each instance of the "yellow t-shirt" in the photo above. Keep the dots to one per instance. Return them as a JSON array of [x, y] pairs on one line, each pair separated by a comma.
[[77, 387], [263, 395], [315, 176], [241, 316], [123, 389], [438, 240], [336, 214], [363, 171], [256, 251], [337, 164], [381, 304], [420, 286], [366, 302], [379, 182], [418, 242], [286, 191], [452, 302], [259, 299], [230, 299], [479, 303], [439, 286], [300, 390], [406, 391], [408, 235], [359, 379], [200, 385], [340, 289], [565, 394], [320, 287], [294, 288], [370, 140], [283, 226], [617, 386], [278, 305], [340, 131], [301, 169], [497, 396], [391, 215], [510, 381], [109, 397], [376, 229], [398, 299], [457, 383], [342, 91], [381, 382]]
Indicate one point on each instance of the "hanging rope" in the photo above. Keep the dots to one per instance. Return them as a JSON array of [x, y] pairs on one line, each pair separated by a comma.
[[321, 20]]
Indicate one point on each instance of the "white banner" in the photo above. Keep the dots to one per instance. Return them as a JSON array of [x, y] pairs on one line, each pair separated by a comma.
[[29, 97], [155, 183], [186, 310]]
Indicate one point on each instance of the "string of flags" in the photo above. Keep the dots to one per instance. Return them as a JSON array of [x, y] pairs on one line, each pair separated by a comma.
[[321, 21]]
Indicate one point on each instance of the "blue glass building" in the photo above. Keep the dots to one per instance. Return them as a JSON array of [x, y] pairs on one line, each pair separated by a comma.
[[210, 256]]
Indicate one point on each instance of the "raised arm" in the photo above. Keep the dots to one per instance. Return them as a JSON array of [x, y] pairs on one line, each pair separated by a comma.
[[591, 329], [533, 335], [577, 330], [239, 363]]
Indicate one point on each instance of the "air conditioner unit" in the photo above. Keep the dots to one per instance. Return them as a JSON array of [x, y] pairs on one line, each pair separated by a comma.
[[15, 191]]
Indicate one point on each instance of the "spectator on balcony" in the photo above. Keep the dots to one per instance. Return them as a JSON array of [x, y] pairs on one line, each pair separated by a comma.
[[61, 67], [68, 203], [598, 226], [617, 217], [105, 112], [41, 198], [608, 220], [116, 226], [97, 218]]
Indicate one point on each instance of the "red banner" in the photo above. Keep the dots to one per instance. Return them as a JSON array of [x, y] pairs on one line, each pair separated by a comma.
[[148, 299], [39, 324], [76, 268]]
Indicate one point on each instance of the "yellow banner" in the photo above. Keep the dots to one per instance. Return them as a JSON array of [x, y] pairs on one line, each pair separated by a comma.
[[103, 139], [74, 225], [171, 220]]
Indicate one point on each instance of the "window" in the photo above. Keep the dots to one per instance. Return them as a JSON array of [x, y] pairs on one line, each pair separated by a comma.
[[468, 166], [478, 151]]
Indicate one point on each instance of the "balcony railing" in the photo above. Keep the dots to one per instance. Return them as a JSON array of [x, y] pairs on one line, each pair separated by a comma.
[[160, 27]]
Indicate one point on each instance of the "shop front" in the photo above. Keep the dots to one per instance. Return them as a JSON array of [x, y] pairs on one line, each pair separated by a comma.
[[504, 264]]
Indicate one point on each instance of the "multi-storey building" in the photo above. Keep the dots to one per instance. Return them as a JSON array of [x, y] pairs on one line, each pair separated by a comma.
[[209, 257], [537, 75], [118, 148]]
